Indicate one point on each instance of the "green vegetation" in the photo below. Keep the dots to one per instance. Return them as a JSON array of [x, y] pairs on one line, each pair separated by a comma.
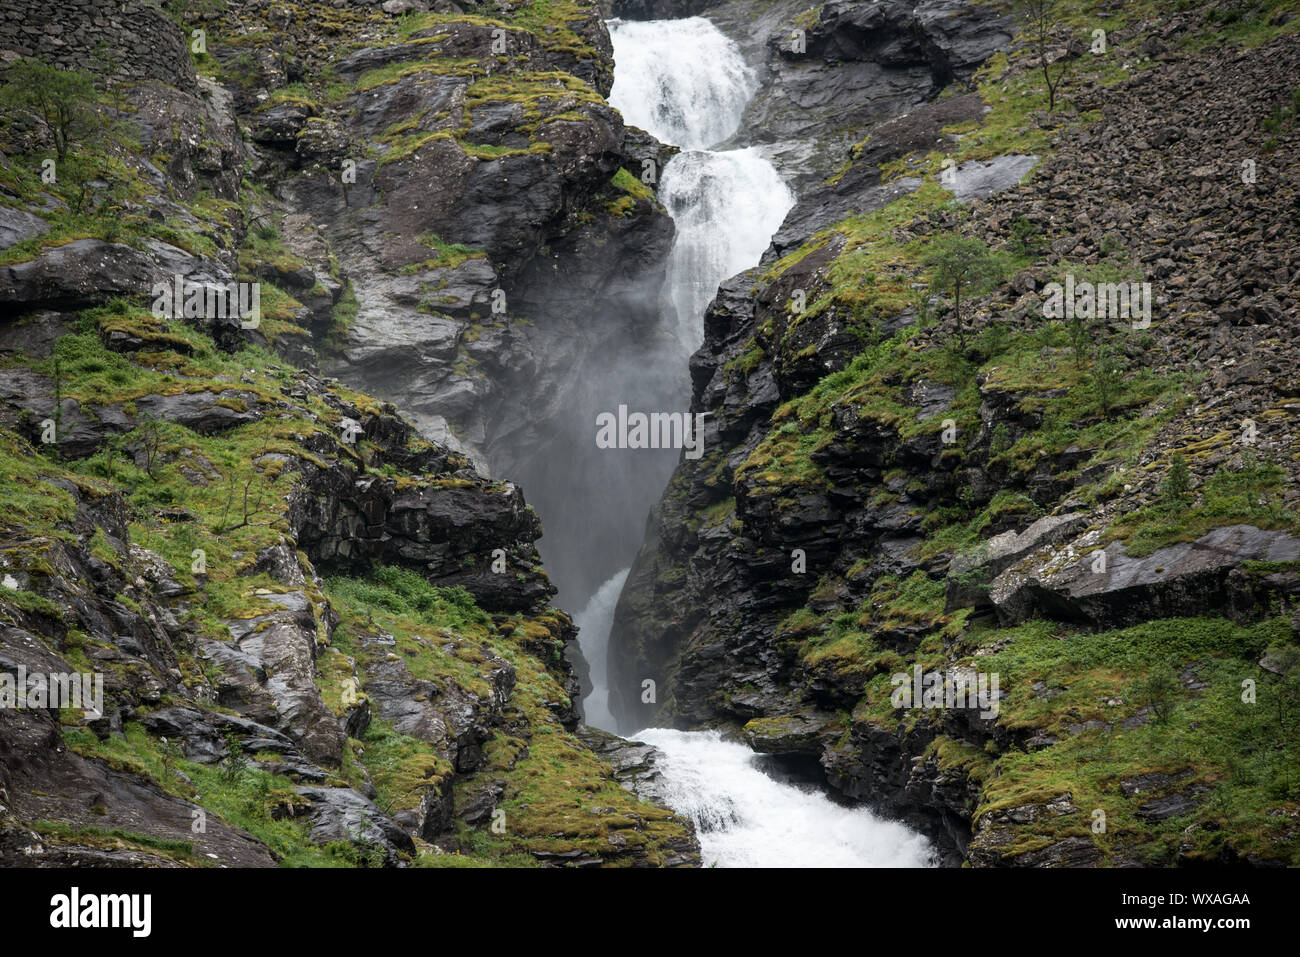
[[559, 797], [449, 255], [63, 99], [1038, 21], [960, 265], [1249, 493], [250, 800], [1076, 403]]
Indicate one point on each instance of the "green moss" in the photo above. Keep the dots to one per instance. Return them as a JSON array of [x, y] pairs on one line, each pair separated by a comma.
[[449, 255], [402, 769], [116, 838], [249, 801]]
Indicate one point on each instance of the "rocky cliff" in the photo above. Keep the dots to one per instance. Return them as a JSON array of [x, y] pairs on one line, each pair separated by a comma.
[[325, 637], [295, 543], [1097, 511]]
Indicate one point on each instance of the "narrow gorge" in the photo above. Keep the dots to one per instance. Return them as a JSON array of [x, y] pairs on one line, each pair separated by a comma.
[[311, 312]]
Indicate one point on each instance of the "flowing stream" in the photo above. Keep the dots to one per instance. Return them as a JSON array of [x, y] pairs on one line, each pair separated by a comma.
[[687, 83], [748, 816]]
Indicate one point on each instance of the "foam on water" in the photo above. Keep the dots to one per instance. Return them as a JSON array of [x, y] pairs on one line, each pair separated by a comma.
[[745, 818]]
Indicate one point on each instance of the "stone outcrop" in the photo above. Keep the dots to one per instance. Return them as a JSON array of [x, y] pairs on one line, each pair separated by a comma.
[[133, 41]]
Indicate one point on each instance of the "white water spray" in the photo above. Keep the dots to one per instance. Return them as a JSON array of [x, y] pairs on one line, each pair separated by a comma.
[[726, 206], [744, 818], [593, 638]]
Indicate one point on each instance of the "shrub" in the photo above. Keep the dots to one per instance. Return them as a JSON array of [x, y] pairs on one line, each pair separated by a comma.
[[63, 99]]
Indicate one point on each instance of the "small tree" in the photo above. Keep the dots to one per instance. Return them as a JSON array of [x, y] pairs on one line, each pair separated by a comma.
[[63, 99], [1107, 378], [1286, 662], [1159, 690], [1079, 331], [962, 266], [1037, 17], [1178, 481], [250, 509], [149, 440], [1026, 238], [234, 764]]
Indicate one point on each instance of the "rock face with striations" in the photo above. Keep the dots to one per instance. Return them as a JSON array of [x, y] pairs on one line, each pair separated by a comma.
[[490, 251], [825, 79]]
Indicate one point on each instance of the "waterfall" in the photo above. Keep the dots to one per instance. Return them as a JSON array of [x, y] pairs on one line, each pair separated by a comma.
[[593, 637], [686, 83], [682, 80], [726, 207], [746, 818]]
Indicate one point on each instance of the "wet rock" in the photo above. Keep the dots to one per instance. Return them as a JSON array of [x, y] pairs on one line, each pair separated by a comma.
[[980, 179], [341, 814], [1184, 579], [82, 273], [282, 646], [47, 781], [17, 225], [786, 734], [970, 575]]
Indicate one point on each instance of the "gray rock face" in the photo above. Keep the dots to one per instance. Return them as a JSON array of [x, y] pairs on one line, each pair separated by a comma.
[[44, 780], [860, 65], [453, 720], [280, 648], [82, 429], [970, 575], [203, 734], [147, 42], [76, 274], [1189, 578], [449, 533], [17, 225], [343, 815], [525, 202], [546, 278], [634, 769], [979, 179]]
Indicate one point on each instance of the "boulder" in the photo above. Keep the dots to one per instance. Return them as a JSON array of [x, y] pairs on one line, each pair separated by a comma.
[[343, 815], [1189, 578], [970, 574]]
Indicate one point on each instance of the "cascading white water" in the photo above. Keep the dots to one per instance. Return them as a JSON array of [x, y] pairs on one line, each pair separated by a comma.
[[685, 82], [682, 80], [726, 206], [593, 638], [745, 818]]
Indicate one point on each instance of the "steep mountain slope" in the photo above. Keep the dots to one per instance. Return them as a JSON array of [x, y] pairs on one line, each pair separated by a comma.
[[324, 639], [1098, 513]]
